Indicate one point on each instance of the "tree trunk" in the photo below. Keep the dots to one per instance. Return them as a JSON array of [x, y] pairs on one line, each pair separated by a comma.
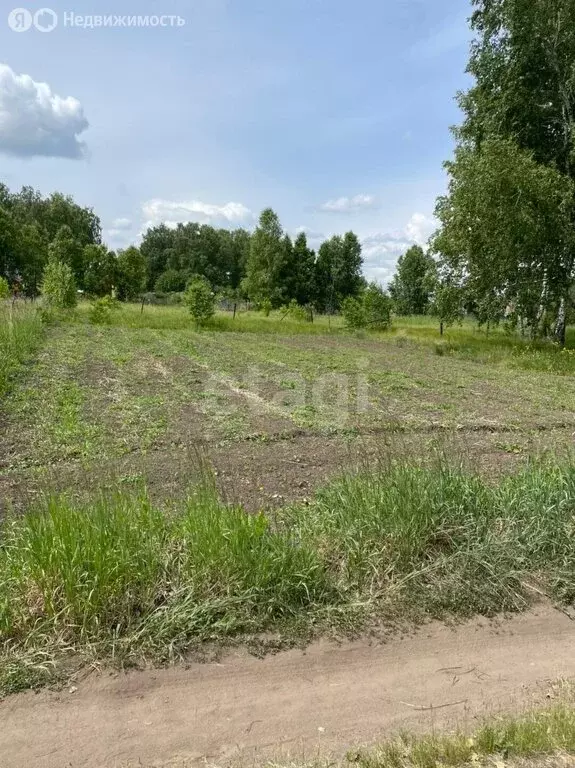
[[542, 307], [561, 323], [441, 328]]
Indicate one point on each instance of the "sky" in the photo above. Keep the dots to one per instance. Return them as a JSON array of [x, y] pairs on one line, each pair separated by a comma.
[[334, 113]]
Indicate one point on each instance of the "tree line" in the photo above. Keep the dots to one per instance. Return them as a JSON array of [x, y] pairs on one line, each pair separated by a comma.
[[36, 232], [266, 266]]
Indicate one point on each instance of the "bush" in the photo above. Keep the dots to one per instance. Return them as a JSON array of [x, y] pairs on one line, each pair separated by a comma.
[[101, 311], [296, 311], [4, 288], [58, 286], [371, 310], [354, 313], [377, 306], [266, 307], [201, 300]]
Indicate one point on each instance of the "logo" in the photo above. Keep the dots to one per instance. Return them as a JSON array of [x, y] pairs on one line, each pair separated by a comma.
[[45, 20], [21, 20]]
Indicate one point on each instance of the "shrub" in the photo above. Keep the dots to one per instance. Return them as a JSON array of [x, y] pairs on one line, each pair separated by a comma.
[[377, 307], [296, 311], [58, 286], [101, 311], [354, 313], [4, 288], [200, 300], [266, 307]]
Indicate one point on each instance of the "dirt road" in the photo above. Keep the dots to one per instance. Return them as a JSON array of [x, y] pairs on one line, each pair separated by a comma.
[[295, 704]]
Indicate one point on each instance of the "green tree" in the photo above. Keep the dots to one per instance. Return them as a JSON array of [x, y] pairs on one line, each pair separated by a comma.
[[68, 250], [237, 245], [9, 264], [156, 245], [132, 273], [409, 288], [338, 271], [266, 260], [171, 281], [31, 222], [200, 300], [524, 92], [448, 300], [101, 270], [353, 311], [348, 278], [371, 309], [507, 225], [299, 269], [32, 248], [58, 285]]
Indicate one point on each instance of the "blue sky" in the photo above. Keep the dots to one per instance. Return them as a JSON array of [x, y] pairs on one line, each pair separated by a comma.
[[335, 113]]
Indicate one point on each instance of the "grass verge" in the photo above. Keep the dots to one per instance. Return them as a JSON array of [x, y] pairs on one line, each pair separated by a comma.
[[122, 579]]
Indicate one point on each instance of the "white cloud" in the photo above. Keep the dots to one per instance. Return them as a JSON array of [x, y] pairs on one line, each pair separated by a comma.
[[349, 204], [420, 228], [382, 249], [34, 121], [170, 212], [122, 224]]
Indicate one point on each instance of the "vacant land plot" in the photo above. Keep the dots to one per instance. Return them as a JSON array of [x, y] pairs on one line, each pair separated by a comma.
[[275, 406], [150, 411]]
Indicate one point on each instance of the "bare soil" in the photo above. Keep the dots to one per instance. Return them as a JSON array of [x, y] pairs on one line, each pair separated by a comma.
[[276, 468], [295, 705]]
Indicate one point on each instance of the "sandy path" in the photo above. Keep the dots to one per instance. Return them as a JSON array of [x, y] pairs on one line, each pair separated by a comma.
[[293, 704]]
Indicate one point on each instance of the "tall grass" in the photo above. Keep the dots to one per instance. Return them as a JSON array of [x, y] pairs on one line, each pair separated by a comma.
[[21, 334], [178, 318], [497, 347], [120, 576]]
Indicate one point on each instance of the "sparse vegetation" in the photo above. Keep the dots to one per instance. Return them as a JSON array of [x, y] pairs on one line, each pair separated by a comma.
[[537, 735]]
